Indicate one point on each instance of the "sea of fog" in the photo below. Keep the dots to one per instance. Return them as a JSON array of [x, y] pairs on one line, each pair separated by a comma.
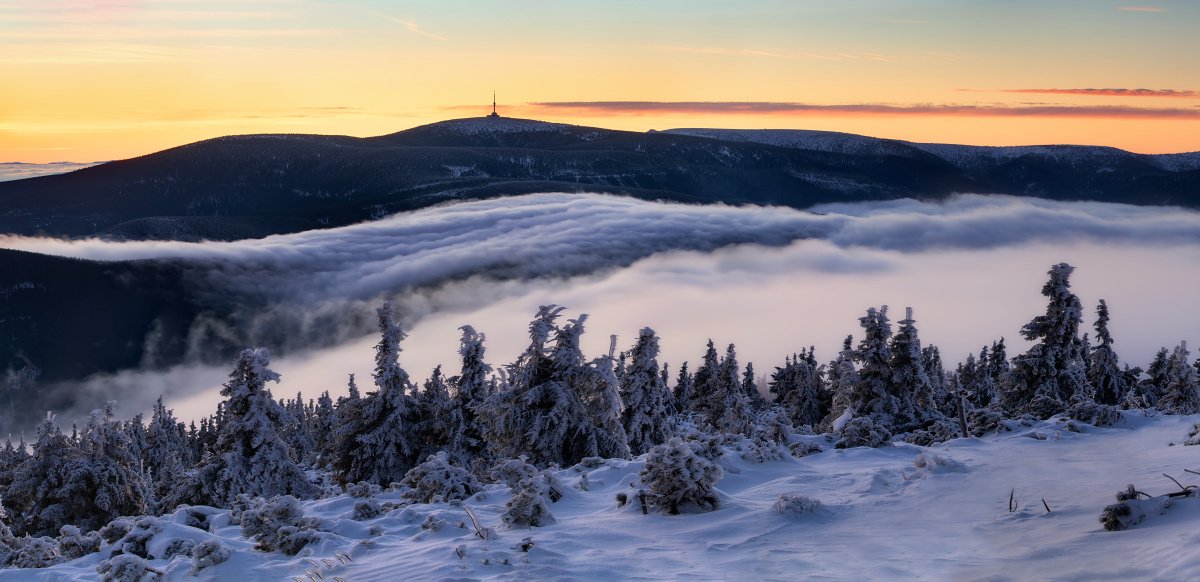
[[770, 280]]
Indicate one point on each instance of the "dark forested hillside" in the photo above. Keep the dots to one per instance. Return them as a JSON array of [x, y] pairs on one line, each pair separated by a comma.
[[250, 186]]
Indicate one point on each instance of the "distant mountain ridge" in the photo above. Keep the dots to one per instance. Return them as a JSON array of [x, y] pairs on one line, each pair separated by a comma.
[[254, 185]]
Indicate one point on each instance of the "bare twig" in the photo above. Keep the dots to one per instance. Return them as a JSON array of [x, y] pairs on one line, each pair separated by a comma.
[[1191, 471], [1181, 487], [1046, 505], [475, 523], [1011, 506]]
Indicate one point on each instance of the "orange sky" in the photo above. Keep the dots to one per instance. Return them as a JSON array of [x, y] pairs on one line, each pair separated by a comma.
[[109, 79]]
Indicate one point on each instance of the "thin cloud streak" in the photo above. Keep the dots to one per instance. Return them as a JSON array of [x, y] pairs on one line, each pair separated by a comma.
[[414, 28], [1141, 9], [805, 56], [858, 109], [1111, 92]]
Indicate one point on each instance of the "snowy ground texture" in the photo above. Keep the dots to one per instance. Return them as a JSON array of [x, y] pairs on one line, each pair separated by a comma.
[[899, 512]]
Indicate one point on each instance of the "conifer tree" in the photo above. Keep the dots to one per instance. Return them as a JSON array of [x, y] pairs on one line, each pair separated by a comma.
[[599, 389], [704, 382], [105, 480], [799, 388], [729, 410], [1105, 372], [685, 390], [645, 396], [1181, 393], [37, 496], [1050, 376], [472, 387], [250, 456], [386, 441], [433, 404], [909, 382], [167, 455], [874, 393]]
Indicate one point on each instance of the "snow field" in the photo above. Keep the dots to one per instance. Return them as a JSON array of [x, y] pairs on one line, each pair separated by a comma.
[[880, 517]]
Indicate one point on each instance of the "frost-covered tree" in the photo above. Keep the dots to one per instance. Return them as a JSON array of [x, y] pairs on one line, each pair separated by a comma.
[[874, 394], [433, 404], [1051, 376], [386, 441], [645, 396], [472, 387], [541, 413], [250, 457], [37, 496], [704, 382], [1105, 372], [296, 431], [939, 397], [685, 390], [729, 410], [843, 381], [321, 424], [599, 389], [167, 456], [750, 387], [909, 382], [799, 388], [106, 479], [1181, 393], [679, 478]]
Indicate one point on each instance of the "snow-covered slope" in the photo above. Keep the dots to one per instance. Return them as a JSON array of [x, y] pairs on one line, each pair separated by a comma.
[[881, 517]]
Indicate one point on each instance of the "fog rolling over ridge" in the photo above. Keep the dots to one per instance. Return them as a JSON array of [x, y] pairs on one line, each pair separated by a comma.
[[772, 280]]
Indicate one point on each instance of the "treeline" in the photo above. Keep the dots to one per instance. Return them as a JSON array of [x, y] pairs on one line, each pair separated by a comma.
[[554, 406]]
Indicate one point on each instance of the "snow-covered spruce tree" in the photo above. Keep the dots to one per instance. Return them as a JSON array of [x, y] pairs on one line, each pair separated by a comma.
[[843, 380], [167, 455], [506, 408], [645, 396], [909, 383], [348, 418], [433, 404], [1105, 372], [750, 387], [799, 388], [874, 394], [541, 414], [730, 410], [296, 431], [249, 457], [940, 396], [599, 388], [975, 382], [106, 479], [472, 387], [1181, 394], [685, 390], [386, 439], [1050, 376], [703, 382], [37, 496], [321, 424], [678, 478], [1148, 390]]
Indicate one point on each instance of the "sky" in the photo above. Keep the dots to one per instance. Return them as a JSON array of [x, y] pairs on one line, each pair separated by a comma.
[[111, 79]]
